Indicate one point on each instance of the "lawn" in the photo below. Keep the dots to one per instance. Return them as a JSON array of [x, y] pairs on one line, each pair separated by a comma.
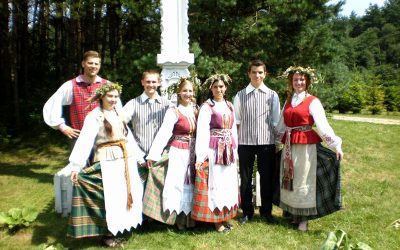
[[370, 181]]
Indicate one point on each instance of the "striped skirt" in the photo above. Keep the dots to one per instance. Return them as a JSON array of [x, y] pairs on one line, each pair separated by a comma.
[[88, 214], [200, 210]]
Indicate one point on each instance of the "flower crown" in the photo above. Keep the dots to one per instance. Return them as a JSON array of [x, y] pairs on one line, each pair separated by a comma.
[[223, 77], [193, 79], [310, 72], [100, 92]]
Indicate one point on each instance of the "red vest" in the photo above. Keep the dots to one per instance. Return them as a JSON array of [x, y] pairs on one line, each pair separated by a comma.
[[300, 116], [81, 106]]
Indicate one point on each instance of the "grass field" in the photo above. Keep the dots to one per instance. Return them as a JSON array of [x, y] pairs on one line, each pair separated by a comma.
[[371, 196]]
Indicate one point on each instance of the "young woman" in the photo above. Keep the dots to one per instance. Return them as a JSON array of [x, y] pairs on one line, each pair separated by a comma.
[[299, 158], [178, 132], [107, 195], [216, 186]]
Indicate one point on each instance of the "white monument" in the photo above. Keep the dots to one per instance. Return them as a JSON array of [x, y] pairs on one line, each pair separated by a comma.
[[175, 57]]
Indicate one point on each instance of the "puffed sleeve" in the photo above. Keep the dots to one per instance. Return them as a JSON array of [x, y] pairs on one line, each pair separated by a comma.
[[128, 111], [236, 105], [203, 133], [163, 135], [52, 110], [324, 130], [84, 143]]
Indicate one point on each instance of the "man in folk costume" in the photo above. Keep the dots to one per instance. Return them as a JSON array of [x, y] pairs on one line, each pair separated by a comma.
[[146, 113], [257, 113], [76, 93]]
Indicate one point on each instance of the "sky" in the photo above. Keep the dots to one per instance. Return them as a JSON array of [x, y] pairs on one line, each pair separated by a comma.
[[358, 6]]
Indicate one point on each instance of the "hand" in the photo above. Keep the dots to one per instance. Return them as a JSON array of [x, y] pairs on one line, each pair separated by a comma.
[[70, 132], [149, 163], [339, 155], [74, 176], [198, 165]]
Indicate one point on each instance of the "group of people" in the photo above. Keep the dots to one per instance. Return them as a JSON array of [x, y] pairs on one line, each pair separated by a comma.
[[177, 163]]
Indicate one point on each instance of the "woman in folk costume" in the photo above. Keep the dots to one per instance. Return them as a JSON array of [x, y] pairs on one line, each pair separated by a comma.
[[107, 196], [215, 196], [178, 131], [299, 193]]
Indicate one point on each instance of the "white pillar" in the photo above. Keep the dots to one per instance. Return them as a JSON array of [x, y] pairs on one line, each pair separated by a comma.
[[175, 57]]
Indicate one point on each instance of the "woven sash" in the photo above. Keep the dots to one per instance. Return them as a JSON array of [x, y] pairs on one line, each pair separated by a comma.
[[288, 171]]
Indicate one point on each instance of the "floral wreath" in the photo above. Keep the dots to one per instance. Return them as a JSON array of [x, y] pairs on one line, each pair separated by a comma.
[[224, 77], [102, 91], [107, 87], [310, 72], [193, 79]]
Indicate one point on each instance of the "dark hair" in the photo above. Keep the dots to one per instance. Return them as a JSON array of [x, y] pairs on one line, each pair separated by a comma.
[[211, 97], [257, 63]]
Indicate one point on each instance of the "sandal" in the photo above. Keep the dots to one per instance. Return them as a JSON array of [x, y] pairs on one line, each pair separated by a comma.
[[221, 228], [228, 225]]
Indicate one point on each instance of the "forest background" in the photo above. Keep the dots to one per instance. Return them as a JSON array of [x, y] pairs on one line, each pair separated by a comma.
[[42, 42]]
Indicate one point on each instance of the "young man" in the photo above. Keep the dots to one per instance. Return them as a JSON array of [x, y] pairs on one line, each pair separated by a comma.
[[257, 113], [76, 93], [146, 113]]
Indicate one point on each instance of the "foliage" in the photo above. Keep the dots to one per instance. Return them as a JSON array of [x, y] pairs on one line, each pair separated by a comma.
[[45, 246], [340, 240], [17, 217]]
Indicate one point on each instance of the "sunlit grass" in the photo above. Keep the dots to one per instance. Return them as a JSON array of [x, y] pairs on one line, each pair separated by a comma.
[[370, 181]]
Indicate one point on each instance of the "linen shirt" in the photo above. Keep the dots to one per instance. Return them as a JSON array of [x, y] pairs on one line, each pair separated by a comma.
[[146, 116]]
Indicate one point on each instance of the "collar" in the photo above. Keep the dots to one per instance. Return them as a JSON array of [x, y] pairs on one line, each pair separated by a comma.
[[299, 96], [250, 88], [144, 97], [79, 79]]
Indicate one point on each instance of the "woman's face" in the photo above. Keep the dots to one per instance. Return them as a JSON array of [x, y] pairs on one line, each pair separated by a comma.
[[299, 83], [218, 90], [110, 99], [186, 94]]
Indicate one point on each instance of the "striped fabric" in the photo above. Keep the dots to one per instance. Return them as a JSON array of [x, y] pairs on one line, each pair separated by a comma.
[[200, 210], [146, 119], [88, 215], [256, 126], [152, 199]]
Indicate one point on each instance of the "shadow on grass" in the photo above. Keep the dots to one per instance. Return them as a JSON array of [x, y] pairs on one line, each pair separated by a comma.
[[26, 171]]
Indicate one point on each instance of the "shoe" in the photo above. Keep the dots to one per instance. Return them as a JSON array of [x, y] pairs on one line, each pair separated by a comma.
[[243, 220], [303, 226], [221, 228], [111, 242], [228, 225], [270, 219]]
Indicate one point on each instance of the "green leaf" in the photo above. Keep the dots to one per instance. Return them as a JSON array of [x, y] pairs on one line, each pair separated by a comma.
[[15, 213], [29, 214], [330, 242]]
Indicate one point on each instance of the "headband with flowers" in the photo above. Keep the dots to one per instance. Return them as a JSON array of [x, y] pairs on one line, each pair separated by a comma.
[[310, 72], [223, 77], [102, 91]]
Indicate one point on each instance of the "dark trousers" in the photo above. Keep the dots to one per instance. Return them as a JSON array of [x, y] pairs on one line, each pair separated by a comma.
[[265, 166]]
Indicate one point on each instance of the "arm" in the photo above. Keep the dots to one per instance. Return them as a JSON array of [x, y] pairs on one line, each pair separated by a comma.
[[128, 111], [276, 107], [236, 106], [83, 145], [203, 134], [324, 130], [138, 153], [163, 135]]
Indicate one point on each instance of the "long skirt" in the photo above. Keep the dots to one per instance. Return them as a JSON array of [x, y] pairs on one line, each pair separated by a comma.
[[99, 200], [152, 199], [201, 210], [328, 186]]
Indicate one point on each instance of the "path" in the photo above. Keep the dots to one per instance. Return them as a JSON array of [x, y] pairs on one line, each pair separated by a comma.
[[367, 119]]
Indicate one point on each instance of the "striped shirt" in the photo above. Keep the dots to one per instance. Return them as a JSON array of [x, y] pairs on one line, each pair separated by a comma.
[[146, 117], [257, 113]]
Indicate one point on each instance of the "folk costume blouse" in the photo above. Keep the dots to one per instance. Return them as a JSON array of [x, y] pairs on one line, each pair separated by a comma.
[[178, 130]]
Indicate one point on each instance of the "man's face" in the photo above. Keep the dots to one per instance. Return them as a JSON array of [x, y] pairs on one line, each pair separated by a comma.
[[150, 84], [257, 75], [91, 66]]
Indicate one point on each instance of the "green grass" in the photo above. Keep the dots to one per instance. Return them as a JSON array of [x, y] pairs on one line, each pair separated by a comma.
[[371, 191]]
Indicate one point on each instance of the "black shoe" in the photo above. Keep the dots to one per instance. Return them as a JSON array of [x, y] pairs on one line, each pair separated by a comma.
[[244, 219], [270, 219]]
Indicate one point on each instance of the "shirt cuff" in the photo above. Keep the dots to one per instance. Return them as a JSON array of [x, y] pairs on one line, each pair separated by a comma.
[[62, 127]]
